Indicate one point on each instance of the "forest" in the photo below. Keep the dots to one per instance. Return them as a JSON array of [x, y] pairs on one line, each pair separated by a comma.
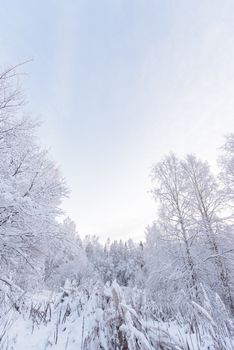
[[174, 290]]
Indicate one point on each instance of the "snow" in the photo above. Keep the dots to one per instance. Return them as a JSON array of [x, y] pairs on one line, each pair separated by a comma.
[[57, 291], [75, 321]]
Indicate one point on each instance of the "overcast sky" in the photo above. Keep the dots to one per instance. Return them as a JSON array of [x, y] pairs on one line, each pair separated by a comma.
[[117, 84]]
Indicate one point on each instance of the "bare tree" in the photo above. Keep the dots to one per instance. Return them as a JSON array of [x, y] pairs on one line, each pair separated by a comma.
[[226, 163], [170, 190], [206, 203]]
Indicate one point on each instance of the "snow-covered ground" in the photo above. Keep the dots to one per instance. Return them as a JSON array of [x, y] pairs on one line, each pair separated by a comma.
[[104, 317]]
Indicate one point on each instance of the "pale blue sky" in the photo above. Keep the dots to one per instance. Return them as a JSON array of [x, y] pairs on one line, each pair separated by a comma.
[[118, 84]]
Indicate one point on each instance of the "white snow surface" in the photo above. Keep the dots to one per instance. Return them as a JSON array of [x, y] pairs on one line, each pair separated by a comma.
[[87, 318]]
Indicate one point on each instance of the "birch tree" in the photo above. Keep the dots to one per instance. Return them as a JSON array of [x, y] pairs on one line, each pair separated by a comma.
[[206, 202], [169, 188]]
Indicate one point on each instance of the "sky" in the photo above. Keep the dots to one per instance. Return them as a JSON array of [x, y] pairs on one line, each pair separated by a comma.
[[117, 85]]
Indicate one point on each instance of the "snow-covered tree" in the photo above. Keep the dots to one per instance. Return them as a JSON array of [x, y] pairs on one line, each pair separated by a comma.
[[226, 176], [207, 203], [31, 187], [169, 189], [65, 257]]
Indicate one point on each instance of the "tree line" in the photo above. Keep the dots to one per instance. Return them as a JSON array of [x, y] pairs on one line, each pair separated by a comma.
[[189, 246]]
